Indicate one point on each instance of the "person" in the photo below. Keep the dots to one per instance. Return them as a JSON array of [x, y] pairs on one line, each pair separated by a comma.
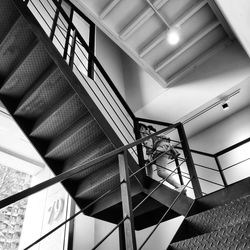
[[155, 148]]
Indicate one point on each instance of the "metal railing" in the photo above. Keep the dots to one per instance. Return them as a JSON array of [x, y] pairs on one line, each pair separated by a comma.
[[69, 42], [124, 185]]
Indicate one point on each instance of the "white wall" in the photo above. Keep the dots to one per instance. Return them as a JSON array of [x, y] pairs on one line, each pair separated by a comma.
[[40, 216], [237, 13], [229, 131], [141, 88], [109, 55]]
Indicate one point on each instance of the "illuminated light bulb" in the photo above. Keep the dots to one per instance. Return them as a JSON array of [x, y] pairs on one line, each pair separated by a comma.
[[173, 36]]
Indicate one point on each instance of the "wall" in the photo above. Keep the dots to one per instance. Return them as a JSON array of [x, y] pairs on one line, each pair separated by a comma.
[[229, 131], [109, 55], [45, 210], [140, 87], [237, 15]]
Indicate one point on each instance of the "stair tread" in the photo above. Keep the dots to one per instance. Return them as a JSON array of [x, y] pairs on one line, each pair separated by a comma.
[[98, 148], [43, 94], [8, 16], [233, 235], [75, 138], [60, 117], [14, 45], [35, 63], [99, 182], [230, 213]]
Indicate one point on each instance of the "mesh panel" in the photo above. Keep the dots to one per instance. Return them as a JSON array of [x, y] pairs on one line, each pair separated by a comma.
[[75, 138], [44, 94], [231, 213], [95, 150], [27, 73], [232, 237], [60, 117], [14, 46], [99, 182], [8, 16]]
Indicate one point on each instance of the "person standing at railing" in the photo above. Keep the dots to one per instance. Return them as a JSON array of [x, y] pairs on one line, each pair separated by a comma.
[[159, 148]]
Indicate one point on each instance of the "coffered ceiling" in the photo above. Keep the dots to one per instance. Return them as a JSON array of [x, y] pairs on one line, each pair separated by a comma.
[[140, 28]]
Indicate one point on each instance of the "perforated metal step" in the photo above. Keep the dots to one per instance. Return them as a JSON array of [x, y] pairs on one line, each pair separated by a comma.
[[14, 46], [43, 94], [74, 139], [98, 182], [27, 72], [231, 237], [98, 147]]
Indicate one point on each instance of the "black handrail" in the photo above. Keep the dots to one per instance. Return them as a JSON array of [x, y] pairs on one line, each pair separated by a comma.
[[59, 178]]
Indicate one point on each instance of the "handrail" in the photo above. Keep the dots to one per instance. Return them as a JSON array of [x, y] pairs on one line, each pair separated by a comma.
[[73, 216], [86, 47], [9, 200]]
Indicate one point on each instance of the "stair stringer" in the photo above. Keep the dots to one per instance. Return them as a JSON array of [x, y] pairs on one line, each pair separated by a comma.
[[76, 85]]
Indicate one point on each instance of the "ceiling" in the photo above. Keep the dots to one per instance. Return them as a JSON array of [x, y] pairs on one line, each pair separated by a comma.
[[139, 27]]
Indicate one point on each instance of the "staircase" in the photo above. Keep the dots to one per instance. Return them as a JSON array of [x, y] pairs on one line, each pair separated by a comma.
[[63, 123], [225, 226]]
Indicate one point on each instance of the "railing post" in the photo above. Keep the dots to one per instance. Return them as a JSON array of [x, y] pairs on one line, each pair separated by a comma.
[[221, 171], [121, 237], [66, 46], [189, 161], [53, 28], [72, 51], [129, 230]]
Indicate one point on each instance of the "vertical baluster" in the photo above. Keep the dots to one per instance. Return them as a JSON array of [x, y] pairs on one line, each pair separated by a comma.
[[72, 51], [129, 230], [221, 171], [66, 46], [53, 28], [189, 161]]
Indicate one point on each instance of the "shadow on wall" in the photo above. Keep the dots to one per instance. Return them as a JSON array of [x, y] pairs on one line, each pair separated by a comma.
[[230, 62], [132, 80]]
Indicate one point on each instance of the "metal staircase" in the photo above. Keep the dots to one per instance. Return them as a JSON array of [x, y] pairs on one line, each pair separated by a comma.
[[220, 221], [64, 124], [58, 116]]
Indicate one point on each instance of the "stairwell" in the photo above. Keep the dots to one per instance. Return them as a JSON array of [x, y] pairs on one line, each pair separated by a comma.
[[63, 123]]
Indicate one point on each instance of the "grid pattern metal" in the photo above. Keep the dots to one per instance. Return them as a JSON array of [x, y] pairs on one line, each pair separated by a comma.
[[44, 94], [60, 117], [28, 72], [99, 182], [14, 46], [74, 139]]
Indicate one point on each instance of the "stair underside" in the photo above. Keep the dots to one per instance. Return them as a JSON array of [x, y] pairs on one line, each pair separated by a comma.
[[58, 116]]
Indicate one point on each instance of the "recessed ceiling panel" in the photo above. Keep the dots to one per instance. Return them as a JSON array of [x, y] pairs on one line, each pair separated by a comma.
[[193, 53], [188, 30], [175, 8], [146, 32], [122, 13]]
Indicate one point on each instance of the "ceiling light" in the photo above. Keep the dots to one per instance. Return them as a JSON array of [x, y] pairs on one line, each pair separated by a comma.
[[173, 36]]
